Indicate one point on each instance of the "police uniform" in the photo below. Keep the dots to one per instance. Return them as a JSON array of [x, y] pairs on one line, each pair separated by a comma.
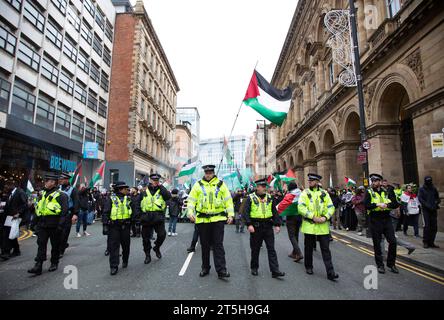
[[51, 212], [260, 213], [381, 223], [152, 207], [73, 208], [210, 203], [118, 212], [316, 203]]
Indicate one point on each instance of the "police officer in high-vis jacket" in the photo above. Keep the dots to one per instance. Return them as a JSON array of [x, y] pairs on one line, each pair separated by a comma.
[[260, 216], [73, 209], [210, 206], [152, 207], [379, 202], [51, 212], [316, 208], [117, 214]]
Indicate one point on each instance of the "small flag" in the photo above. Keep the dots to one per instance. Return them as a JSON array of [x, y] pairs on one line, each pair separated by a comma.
[[289, 176], [75, 176], [349, 182], [188, 169], [98, 176], [29, 187], [228, 155]]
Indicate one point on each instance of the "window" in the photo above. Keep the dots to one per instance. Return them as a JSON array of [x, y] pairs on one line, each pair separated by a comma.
[[28, 56], [45, 114], [394, 6], [104, 81], [69, 48], [107, 56], [61, 5], [92, 101], [15, 3], [86, 33], [80, 92], [100, 20], [331, 73], [102, 108], [142, 108], [314, 92], [66, 83], [73, 18], [8, 41], [63, 120], [89, 7], [97, 45], [90, 131], [109, 31], [83, 61], [50, 71], [100, 138], [78, 127], [95, 73], [23, 104], [5, 89], [53, 34], [34, 16]]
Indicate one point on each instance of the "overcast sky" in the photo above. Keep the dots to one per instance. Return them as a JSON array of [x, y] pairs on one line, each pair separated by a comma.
[[212, 47]]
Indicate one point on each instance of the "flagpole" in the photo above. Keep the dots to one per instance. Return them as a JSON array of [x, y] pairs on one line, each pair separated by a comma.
[[234, 124]]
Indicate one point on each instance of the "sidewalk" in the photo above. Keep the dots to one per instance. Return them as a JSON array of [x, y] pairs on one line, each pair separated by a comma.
[[428, 258]]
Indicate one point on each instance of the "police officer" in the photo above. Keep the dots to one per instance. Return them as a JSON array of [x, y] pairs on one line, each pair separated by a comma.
[[379, 203], [152, 207], [260, 216], [117, 214], [209, 206], [51, 212], [316, 208], [73, 209]]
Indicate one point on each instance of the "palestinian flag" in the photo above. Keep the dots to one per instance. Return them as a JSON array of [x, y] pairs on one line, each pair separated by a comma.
[[228, 155], [289, 176], [349, 182], [29, 188], [273, 104], [75, 176], [98, 176], [188, 169]]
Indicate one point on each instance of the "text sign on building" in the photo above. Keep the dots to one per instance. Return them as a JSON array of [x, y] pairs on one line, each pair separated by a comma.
[[90, 150], [60, 164], [437, 145]]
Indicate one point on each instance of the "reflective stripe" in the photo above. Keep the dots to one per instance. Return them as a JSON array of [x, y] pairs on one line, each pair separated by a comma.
[[191, 198], [227, 198], [230, 210], [330, 205]]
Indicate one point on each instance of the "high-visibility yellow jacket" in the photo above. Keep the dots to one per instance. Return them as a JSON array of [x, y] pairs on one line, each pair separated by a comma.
[[210, 201], [48, 205], [315, 203]]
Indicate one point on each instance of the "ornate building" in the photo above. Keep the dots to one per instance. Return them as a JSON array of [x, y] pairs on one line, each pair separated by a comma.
[[142, 112], [401, 47]]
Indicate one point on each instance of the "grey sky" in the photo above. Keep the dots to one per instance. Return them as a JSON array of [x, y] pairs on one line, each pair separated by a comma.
[[213, 46]]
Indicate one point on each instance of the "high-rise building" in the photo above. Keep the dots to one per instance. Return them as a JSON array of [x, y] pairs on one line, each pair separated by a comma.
[[142, 101], [55, 66], [191, 115], [211, 151]]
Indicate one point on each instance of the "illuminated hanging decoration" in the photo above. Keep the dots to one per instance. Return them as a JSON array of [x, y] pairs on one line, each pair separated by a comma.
[[337, 23]]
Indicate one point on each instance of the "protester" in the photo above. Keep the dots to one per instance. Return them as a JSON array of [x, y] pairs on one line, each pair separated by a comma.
[[411, 210], [359, 208], [429, 199], [174, 208], [237, 201], [336, 202], [85, 200]]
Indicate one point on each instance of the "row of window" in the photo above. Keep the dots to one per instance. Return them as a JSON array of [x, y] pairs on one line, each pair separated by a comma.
[[46, 116]]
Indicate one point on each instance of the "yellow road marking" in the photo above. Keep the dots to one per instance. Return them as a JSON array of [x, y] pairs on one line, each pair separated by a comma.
[[27, 234]]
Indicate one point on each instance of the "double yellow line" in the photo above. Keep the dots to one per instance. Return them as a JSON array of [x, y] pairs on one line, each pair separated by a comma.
[[26, 234], [418, 271]]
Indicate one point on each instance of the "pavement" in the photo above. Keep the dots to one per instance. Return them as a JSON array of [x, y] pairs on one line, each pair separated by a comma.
[[432, 259], [160, 279]]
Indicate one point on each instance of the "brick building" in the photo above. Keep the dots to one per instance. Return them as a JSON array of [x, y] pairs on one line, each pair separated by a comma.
[[142, 110]]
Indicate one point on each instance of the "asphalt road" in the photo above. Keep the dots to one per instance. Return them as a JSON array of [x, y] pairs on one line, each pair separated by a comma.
[[161, 280]]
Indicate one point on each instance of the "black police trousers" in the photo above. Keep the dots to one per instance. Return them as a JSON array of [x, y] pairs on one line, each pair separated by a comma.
[[263, 232], [212, 234], [118, 235], [147, 233], [324, 243], [381, 224], [64, 235], [53, 235]]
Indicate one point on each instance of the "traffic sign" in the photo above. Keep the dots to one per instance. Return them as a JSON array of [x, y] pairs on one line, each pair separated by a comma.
[[362, 157], [366, 145]]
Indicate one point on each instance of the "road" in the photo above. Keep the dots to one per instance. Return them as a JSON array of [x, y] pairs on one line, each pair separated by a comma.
[[161, 280]]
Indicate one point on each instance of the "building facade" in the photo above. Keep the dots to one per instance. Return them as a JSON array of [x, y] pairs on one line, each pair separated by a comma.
[[261, 151], [212, 152], [55, 66], [401, 48], [143, 101], [191, 115], [183, 143]]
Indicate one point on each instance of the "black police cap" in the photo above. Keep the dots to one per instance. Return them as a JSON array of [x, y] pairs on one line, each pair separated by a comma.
[[51, 176], [261, 182], [314, 176], [65, 175], [209, 167], [120, 184], [155, 176]]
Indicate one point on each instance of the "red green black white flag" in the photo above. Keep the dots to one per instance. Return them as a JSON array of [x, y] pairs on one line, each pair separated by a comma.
[[273, 104]]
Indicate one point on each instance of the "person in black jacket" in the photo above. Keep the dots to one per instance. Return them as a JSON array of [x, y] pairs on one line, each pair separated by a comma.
[[174, 208], [153, 215], [428, 197], [135, 224], [16, 206], [52, 211], [73, 210], [86, 202], [237, 201]]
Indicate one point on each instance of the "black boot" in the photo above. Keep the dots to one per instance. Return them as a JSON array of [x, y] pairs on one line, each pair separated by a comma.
[[157, 251], [191, 249], [277, 274], [223, 274], [204, 272], [147, 258], [254, 272], [332, 276], [37, 269], [114, 271], [53, 267]]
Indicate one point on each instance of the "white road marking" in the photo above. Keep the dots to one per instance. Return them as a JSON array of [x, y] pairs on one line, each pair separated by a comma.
[[186, 264]]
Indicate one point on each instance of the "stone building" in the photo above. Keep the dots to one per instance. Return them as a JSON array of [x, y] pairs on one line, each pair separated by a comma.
[[401, 49], [142, 111]]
